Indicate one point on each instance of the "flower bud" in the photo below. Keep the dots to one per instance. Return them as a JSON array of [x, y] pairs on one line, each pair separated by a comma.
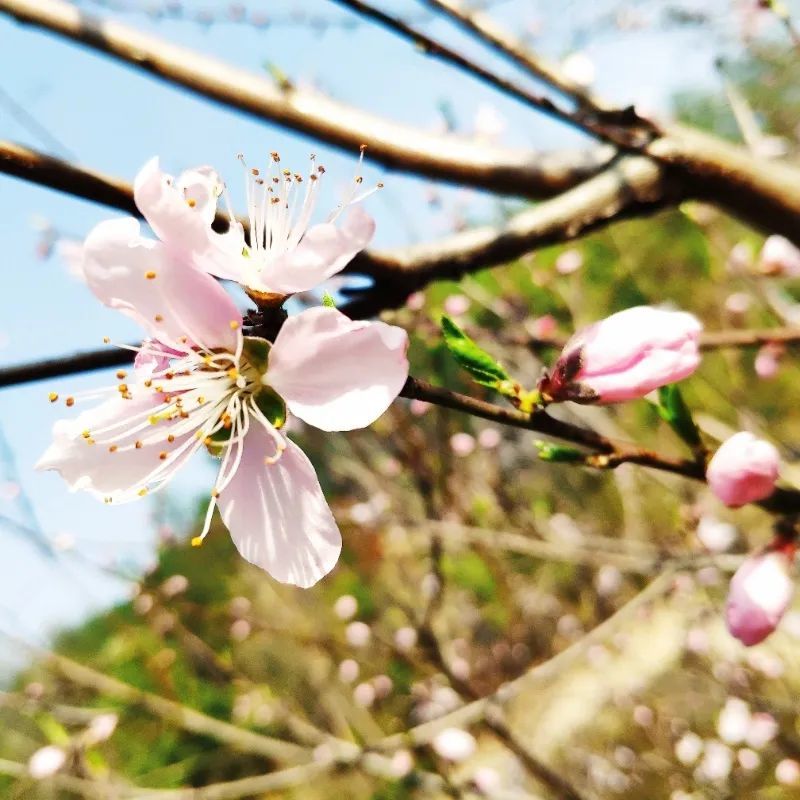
[[744, 469], [759, 594], [625, 356]]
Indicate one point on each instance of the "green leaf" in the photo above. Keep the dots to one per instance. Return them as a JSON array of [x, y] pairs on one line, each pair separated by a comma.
[[328, 301], [673, 410], [483, 368], [548, 451]]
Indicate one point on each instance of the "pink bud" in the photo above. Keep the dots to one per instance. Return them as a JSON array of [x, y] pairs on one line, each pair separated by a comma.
[[767, 361], [456, 304], [743, 470], [569, 261], [779, 257], [759, 594], [625, 356]]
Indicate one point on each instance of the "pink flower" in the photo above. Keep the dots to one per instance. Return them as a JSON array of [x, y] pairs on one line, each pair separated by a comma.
[[744, 469], [285, 254], [207, 385], [759, 594], [625, 356], [767, 361], [779, 257]]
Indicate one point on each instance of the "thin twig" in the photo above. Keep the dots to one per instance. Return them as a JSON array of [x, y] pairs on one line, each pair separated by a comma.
[[480, 25], [617, 135]]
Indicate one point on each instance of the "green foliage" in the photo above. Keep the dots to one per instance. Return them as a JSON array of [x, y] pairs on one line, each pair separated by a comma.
[[480, 365]]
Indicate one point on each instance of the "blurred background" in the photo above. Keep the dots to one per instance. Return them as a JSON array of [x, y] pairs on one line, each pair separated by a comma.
[[468, 562]]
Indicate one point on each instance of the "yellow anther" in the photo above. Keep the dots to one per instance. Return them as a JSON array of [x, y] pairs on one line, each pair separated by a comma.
[[215, 492], [121, 374], [106, 340], [142, 492], [148, 383], [201, 400], [89, 440], [112, 448], [138, 445], [171, 438], [233, 373], [208, 441], [122, 388], [163, 455], [150, 275], [52, 397], [191, 202], [158, 318], [70, 401], [86, 434], [197, 541], [234, 324]]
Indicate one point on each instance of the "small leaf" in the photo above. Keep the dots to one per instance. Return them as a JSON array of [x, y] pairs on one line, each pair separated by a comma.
[[328, 301], [548, 451], [483, 368], [256, 352], [673, 410]]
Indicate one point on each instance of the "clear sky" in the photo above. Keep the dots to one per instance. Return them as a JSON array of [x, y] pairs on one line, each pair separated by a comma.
[[111, 118]]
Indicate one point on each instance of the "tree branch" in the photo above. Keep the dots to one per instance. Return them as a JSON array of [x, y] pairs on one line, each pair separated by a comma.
[[481, 26], [451, 158], [591, 123]]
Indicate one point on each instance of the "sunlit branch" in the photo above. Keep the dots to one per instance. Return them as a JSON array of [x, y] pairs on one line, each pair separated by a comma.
[[451, 158], [182, 716]]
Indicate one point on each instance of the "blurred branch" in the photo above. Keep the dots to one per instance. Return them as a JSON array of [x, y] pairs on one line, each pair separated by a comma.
[[476, 711], [187, 718], [635, 134], [397, 146]]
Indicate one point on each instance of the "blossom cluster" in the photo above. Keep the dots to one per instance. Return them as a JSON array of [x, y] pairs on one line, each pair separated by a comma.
[[200, 380]]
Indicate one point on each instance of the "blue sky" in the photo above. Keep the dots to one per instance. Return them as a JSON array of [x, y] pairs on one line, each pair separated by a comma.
[[111, 118]]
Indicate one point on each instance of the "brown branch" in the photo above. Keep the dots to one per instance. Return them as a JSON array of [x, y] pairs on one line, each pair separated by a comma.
[[451, 158], [608, 452]]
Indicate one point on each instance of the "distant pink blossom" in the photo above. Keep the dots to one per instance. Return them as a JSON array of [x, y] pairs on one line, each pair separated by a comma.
[[625, 356], [759, 595], [456, 304], [767, 361], [46, 761], [284, 253], [779, 257], [744, 469], [201, 384], [569, 261], [454, 744], [462, 444]]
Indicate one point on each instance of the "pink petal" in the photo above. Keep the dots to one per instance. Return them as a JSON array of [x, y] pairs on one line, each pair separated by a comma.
[[337, 374], [617, 342], [119, 475], [323, 251], [277, 515], [170, 300], [180, 212]]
